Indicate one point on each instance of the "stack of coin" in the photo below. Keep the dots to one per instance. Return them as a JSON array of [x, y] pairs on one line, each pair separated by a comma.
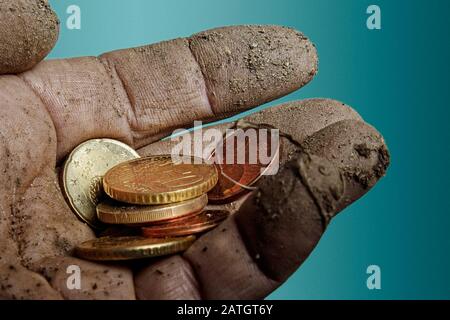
[[153, 206], [106, 183]]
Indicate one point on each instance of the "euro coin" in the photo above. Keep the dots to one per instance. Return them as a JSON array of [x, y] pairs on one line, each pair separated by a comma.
[[83, 172], [130, 248], [159, 180], [237, 177], [202, 222], [234, 181], [113, 212]]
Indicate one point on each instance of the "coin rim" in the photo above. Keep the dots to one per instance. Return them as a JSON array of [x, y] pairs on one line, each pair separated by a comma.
[[151, 214], [180, 232], [167, 197], [183, 230], [67, 196], [165, 247]]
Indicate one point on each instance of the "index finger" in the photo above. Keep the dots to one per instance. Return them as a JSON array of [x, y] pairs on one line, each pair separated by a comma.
[[142, 94]]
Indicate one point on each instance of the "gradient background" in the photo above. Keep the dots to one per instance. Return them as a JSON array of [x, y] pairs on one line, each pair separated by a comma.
[[397, 78]]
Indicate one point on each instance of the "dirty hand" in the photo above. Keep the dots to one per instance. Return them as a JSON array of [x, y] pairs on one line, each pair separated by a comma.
[[330, 157]]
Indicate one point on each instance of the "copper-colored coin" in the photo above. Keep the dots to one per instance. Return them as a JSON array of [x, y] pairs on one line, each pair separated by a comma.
[[229, 187], [202, 222], [237, 179], [129, 248], [159, 180], [114, 212]]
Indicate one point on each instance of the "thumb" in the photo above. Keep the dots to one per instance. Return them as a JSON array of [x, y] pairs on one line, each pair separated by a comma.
[[281, 223], [28, 31], [329, 158]]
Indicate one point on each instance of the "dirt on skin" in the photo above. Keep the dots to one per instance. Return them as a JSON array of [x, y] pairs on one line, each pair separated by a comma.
[[252, 65], [330, 170], [38, 229], [28, 31]]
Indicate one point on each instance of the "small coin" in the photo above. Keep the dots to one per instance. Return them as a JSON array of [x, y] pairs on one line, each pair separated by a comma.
[[228, 187], [159, 180], [83, 172], [202, 222], [130, 248], [237, 179], [114, 212]]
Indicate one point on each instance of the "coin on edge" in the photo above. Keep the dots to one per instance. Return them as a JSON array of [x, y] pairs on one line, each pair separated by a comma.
[[83, 172], [205, 221], [237, 179], [113, 212], [130, 248], [159, 180]]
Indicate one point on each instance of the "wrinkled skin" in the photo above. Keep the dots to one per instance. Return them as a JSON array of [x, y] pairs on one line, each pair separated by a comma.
[[29, 30], [141, 95]]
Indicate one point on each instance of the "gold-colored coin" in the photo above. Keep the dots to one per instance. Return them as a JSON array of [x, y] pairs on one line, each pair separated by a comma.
[[114, 212], [83, 172], [129, 248], [159, 180]]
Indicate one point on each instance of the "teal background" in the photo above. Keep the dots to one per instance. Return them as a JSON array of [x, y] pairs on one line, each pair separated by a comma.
[[396, 78]]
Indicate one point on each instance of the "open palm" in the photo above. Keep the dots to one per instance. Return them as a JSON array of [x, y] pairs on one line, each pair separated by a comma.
[[141, 95]]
